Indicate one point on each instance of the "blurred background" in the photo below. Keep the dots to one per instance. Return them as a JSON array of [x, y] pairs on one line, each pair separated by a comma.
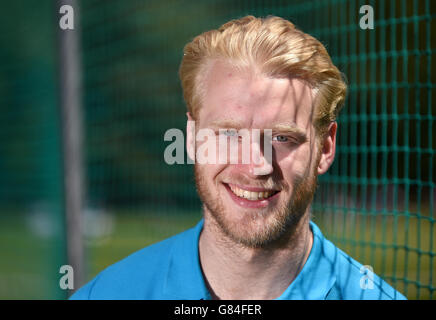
[[377, 202]]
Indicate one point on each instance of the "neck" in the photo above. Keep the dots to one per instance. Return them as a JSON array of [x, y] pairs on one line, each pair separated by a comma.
[[233, 271]]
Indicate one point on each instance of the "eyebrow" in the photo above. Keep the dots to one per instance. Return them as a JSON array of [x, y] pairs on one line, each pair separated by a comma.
[[291, 128], [285, 128], [225, 123]]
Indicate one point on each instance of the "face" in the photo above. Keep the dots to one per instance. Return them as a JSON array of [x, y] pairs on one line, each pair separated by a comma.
[[258, 207]]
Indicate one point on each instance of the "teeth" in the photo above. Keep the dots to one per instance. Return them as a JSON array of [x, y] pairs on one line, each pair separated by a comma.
[[250, 195]]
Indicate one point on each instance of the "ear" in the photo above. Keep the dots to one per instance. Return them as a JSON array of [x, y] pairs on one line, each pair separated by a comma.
[[190, 137], [328, 149]]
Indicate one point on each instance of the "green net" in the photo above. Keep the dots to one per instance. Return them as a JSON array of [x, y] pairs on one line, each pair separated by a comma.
[[376, 202], [32, 246]]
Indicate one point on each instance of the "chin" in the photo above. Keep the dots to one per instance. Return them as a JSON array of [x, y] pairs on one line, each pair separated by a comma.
[[254, 228]]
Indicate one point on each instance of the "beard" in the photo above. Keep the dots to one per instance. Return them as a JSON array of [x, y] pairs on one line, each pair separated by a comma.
[[265, 227]]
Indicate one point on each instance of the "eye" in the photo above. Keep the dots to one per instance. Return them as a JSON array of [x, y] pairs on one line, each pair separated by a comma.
[[281, 138], [229, 132]]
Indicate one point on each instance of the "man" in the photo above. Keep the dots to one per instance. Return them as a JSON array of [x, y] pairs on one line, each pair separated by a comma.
[[256, 240]]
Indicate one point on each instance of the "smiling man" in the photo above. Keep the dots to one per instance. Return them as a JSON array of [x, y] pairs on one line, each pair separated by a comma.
[[257, 240]]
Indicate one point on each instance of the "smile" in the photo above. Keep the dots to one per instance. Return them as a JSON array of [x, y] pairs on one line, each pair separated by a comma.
[[252, 197]]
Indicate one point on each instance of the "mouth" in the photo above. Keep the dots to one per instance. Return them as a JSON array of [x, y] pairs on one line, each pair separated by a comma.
[[251, 197]]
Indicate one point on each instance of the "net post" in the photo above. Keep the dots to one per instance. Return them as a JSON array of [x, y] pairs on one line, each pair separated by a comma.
[[70, 94]]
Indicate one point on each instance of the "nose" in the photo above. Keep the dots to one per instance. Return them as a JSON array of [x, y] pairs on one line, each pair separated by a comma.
[[261, 158], [251, 155]]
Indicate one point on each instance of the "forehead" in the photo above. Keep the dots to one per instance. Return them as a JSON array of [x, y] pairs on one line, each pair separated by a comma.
[[254, 100]]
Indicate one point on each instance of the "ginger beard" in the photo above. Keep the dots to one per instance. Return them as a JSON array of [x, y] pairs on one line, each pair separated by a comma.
[[259, 228]]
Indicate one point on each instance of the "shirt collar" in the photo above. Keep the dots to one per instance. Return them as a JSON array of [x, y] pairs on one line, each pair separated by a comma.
[[185, 279], [317, 276]]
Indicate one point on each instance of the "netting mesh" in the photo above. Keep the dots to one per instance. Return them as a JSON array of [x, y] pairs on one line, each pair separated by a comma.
[[376, 202]]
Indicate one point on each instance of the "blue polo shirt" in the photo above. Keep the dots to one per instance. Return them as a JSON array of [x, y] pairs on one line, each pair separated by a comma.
[[171, 270]]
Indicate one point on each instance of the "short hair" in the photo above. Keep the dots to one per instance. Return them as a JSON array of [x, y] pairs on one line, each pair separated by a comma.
[[275, 47]]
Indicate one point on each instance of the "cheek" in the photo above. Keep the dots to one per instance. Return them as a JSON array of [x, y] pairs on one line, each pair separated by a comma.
[[210, 172], [295, 164]]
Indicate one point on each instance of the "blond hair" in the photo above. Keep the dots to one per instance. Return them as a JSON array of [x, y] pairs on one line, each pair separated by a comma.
[[278, 49]]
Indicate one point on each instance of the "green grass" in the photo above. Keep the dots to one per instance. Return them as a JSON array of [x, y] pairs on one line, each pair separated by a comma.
[[29, 264], [133, 232]]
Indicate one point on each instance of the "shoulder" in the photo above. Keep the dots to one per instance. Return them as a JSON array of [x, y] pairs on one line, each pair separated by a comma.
[[355, 281], [138, 276]]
